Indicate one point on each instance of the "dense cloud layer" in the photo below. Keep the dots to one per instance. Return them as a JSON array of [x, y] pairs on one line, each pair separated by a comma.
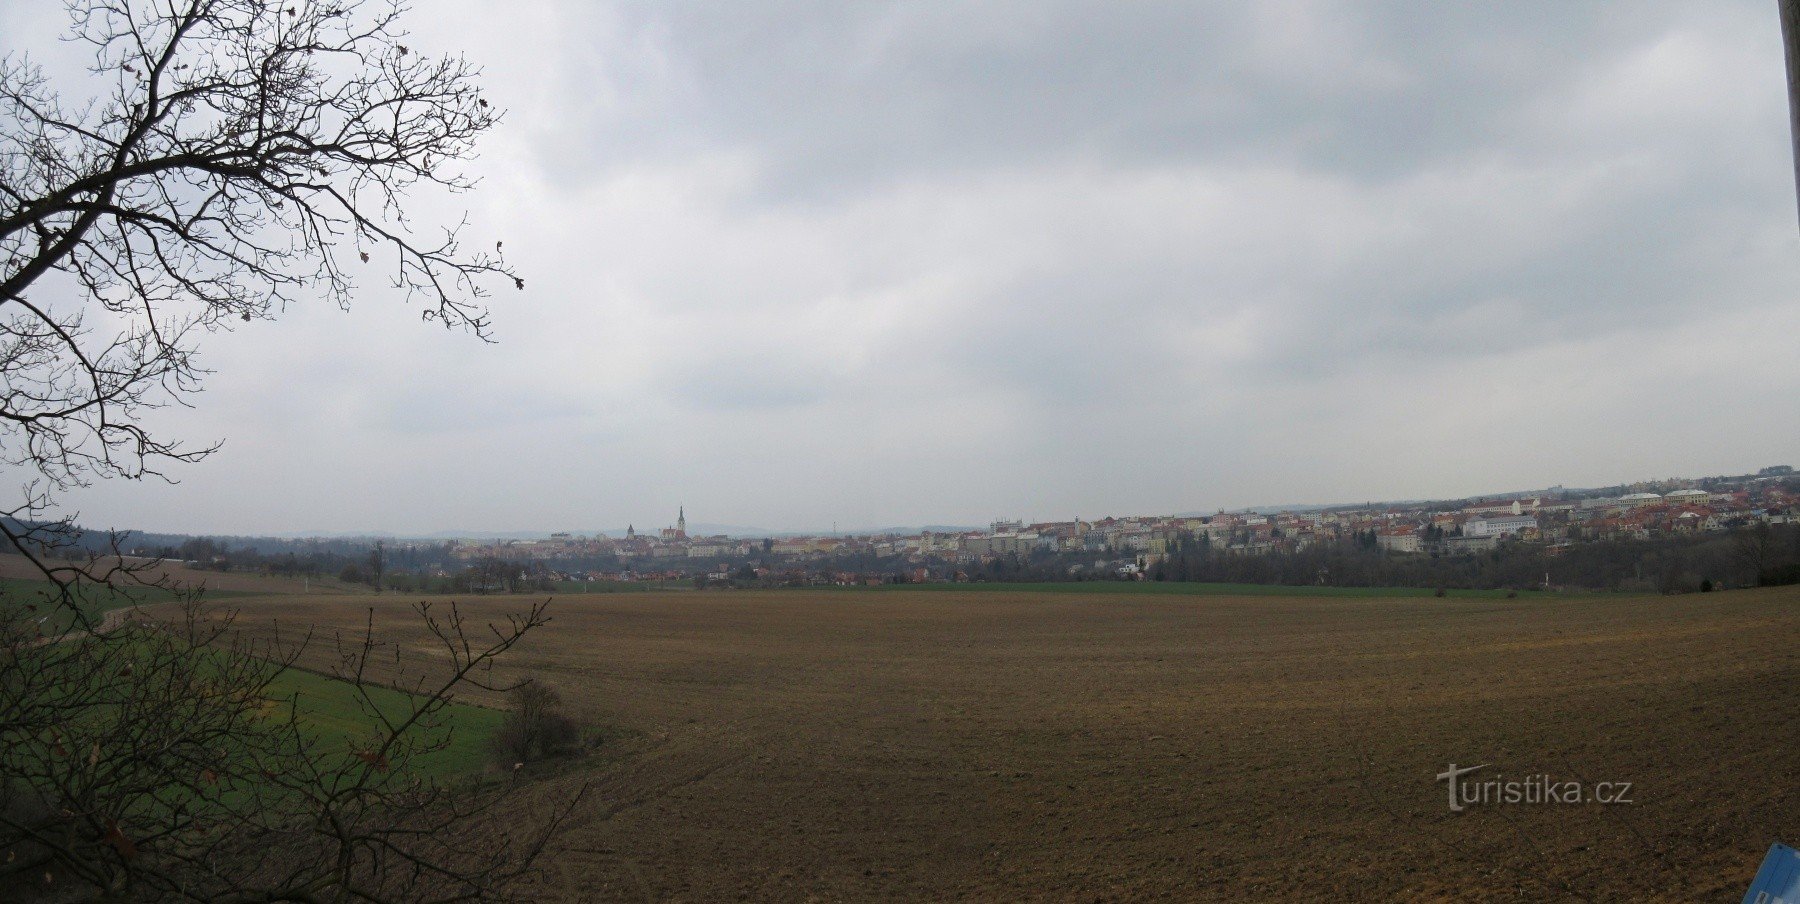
[[810, 262]]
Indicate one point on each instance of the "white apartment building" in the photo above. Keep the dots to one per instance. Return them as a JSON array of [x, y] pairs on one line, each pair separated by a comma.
[[1498, 527]]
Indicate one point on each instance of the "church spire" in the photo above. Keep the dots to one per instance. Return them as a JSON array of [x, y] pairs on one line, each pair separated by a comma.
[[681, 521]]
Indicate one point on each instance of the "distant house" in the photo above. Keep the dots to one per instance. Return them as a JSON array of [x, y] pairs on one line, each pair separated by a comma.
[[1688, 496]]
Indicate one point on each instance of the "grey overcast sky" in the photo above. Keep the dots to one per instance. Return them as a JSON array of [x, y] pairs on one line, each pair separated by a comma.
[[797, 263]]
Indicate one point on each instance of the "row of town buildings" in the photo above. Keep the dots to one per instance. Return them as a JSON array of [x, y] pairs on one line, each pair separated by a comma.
[[1554, 519]]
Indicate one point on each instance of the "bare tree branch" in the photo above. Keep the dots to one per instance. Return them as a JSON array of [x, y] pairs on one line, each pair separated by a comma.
[[249, 155]]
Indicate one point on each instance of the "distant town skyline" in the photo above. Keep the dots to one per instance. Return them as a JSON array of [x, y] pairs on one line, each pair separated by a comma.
[[1694, 535], [910, 263], [680, 529]]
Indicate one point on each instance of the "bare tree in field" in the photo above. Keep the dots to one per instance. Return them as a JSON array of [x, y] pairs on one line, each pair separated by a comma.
[[1756, 549], [243, 156]]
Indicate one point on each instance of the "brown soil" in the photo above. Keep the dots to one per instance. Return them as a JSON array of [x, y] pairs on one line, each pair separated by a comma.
[[1010, 746]]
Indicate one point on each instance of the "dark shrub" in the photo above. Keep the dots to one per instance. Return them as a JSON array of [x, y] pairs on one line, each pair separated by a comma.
[[1778, 576], [535, 727]]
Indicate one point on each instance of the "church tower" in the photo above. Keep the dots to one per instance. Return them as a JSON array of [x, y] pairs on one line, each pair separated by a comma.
[[681, 521]]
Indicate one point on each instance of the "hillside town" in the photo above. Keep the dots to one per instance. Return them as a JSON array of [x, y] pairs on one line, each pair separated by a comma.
[[1132, 547]]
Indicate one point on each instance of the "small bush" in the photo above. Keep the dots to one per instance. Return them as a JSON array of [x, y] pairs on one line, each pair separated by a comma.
[[535, 727], [1441, 592], [1512, 594]]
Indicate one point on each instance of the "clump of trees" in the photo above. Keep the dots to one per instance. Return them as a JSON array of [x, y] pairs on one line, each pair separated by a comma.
[[494, 574], [536, 727]]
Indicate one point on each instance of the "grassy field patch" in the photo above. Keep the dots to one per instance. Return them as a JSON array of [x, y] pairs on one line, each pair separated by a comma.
[[330, 709]]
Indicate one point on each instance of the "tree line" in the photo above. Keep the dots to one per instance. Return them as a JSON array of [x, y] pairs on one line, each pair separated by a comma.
[[1761, 554]]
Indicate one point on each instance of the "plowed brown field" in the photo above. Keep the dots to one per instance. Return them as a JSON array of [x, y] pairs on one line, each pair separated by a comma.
[[792, 746]]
